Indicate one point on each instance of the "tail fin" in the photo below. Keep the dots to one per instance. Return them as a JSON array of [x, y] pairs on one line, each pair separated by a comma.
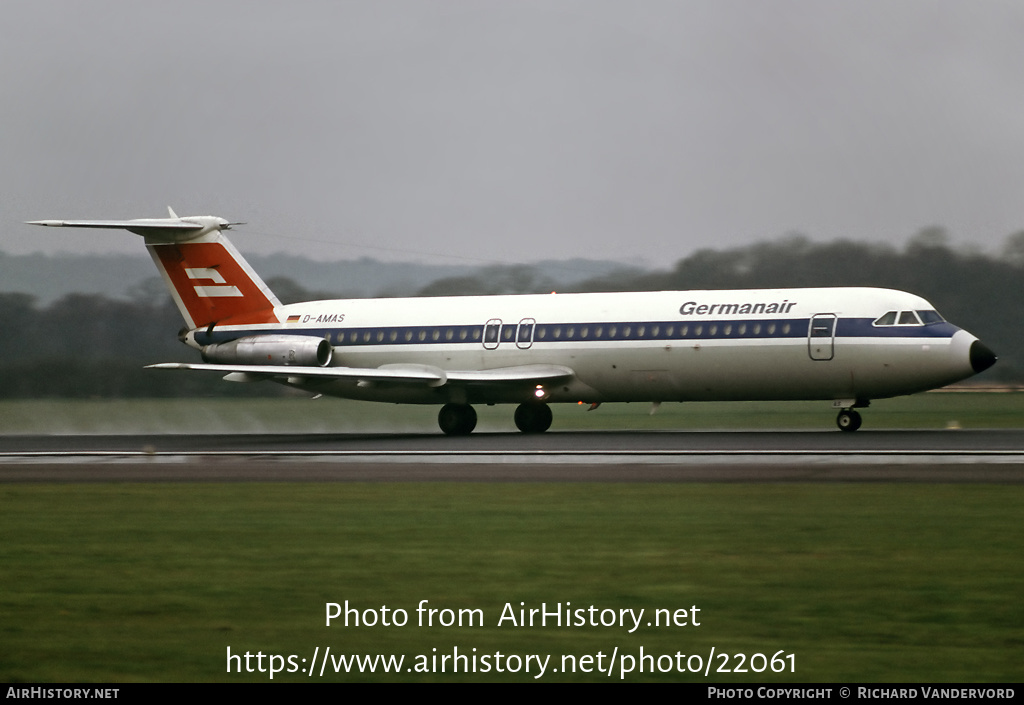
[[210, 281], [208, 278]]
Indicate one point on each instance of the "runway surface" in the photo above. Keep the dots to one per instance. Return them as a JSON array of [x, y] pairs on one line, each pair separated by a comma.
[[877, 456]]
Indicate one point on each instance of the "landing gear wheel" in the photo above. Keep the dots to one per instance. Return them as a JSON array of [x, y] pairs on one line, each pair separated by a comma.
[[533, 418], [457, 419], [848, 420]]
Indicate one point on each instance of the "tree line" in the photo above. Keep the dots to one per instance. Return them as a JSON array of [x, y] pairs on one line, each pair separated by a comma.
[[94, 346]]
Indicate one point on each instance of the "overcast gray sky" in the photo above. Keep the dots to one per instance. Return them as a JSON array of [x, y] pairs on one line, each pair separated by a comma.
[[513, 131]]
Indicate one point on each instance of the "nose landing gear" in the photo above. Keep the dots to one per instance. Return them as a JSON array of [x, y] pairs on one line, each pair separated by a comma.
[[848, 420]]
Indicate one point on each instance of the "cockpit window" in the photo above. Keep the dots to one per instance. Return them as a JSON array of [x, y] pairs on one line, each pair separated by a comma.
[[930, 317], [908, 318], [887, 319]]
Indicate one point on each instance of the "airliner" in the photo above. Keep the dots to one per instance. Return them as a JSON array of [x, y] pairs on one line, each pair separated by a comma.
[[844, 345]]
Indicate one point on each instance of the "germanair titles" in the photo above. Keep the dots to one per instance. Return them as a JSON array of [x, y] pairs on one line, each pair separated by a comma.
[[692, 308]]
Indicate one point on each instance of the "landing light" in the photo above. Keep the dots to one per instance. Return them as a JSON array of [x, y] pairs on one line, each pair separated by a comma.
[[540, 392]]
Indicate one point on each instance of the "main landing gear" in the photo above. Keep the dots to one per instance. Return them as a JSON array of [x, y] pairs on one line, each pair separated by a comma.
[[533, 418], [457, 419], [848, 420], [460, 419]]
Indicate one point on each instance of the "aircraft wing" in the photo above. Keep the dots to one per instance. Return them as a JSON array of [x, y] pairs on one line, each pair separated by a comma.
[[394, 374]]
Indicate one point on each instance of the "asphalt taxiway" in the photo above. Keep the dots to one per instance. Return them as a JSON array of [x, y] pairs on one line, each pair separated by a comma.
[[658, 456]]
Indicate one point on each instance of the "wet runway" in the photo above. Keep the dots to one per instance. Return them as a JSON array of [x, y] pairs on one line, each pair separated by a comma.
[[876, 456]]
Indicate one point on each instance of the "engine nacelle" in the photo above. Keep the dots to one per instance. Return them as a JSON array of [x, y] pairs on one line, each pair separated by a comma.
[[300, 350]]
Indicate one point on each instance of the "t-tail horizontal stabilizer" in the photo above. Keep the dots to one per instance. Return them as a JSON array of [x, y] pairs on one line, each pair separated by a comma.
[[208, 278], [173, 229]]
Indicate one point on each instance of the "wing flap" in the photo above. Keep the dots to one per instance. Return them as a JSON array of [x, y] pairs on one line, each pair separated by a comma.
[[525, 374]]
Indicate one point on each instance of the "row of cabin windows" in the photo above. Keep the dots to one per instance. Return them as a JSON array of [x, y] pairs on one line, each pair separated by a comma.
[[655, 331], [909, 318], [408, 336], [557, 332]]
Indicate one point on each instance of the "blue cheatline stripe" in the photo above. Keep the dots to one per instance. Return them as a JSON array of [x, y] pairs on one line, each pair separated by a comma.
[[865, 328], [582, 333]]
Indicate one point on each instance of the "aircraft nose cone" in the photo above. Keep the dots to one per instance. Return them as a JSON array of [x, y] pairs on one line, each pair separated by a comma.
[[981, 356]]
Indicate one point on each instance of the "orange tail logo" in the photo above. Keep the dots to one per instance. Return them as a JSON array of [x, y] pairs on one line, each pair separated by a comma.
[[211, 283]]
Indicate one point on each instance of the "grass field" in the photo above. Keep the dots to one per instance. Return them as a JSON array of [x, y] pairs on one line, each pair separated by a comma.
[[933, 410], [154, 582], [146, 582]]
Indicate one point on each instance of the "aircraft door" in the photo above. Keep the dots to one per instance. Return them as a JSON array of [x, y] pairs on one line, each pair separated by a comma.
[[524, 334], [492, 334], [821, 337]]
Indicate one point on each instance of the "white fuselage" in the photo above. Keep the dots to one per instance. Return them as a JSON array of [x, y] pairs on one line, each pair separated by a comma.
[[660, 346]]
